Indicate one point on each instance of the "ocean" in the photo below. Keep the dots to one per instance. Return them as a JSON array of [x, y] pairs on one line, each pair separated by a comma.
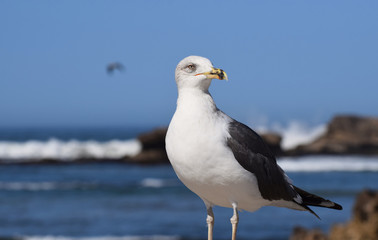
[[120, 201]]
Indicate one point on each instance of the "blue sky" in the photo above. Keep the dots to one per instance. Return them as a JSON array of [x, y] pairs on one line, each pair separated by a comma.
[[286, 60]]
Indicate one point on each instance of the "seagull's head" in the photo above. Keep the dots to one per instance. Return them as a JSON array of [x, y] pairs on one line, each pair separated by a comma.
[[197, 72]]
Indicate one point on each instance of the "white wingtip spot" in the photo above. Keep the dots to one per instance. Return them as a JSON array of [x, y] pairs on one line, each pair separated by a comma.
[[327, 204], [298, 199]]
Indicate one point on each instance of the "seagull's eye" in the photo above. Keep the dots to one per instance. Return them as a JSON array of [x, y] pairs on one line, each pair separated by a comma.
[[191, 67]]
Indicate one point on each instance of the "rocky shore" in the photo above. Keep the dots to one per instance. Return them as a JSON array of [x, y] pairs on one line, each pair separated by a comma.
[[153, 148], [362, 226], [345, 135]]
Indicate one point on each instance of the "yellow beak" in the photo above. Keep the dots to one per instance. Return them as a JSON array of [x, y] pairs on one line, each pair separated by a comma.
[[215, 73]]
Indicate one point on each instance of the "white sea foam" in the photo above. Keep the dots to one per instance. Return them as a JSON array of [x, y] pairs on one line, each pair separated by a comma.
[[157, 182], [329, 163], [42, 186], [29, 186], [67, 150], [152, 237], [296, 133]]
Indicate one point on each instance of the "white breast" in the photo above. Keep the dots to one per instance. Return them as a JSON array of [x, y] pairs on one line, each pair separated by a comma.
[[196, 146]]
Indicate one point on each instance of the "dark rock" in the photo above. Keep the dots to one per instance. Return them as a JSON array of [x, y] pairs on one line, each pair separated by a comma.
[[362, 226], [153, 148], [344, 135], [366, 206], [154, 139], [153, 156], [300, 233], [364, 222]]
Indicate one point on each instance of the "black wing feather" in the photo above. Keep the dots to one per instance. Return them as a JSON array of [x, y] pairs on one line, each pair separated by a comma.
[[254, 155], [314, 200]]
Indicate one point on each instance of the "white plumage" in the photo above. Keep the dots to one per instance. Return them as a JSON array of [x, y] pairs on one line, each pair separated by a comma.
[[221, 160], [196, 146]]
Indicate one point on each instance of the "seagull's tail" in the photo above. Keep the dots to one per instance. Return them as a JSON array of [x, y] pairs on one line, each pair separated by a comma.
[[314, 200]]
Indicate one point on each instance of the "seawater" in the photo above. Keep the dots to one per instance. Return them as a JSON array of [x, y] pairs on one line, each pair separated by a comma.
[[98, 201], [121, 201]]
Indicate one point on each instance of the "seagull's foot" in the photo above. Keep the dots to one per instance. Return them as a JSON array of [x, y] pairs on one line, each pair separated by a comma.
[[234, 220], [210, 223]]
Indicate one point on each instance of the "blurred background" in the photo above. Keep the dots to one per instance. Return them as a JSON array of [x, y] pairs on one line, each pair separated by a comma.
[[80, 81]]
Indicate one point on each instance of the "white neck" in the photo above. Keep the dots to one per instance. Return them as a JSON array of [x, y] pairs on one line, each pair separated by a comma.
[[192, 100]]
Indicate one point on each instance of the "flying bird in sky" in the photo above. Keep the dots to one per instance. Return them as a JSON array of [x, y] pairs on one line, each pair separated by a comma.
[[222, 160], [111, 67]]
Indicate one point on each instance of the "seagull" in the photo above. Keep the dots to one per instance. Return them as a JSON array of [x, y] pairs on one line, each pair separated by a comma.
[[221, 160], [111, 67]]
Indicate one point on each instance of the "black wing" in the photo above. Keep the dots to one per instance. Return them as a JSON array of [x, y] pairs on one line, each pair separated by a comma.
[[254, 155]]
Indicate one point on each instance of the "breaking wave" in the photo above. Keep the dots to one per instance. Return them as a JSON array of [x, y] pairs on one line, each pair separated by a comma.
[[329, 163], [67, 150], [295, 133]]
